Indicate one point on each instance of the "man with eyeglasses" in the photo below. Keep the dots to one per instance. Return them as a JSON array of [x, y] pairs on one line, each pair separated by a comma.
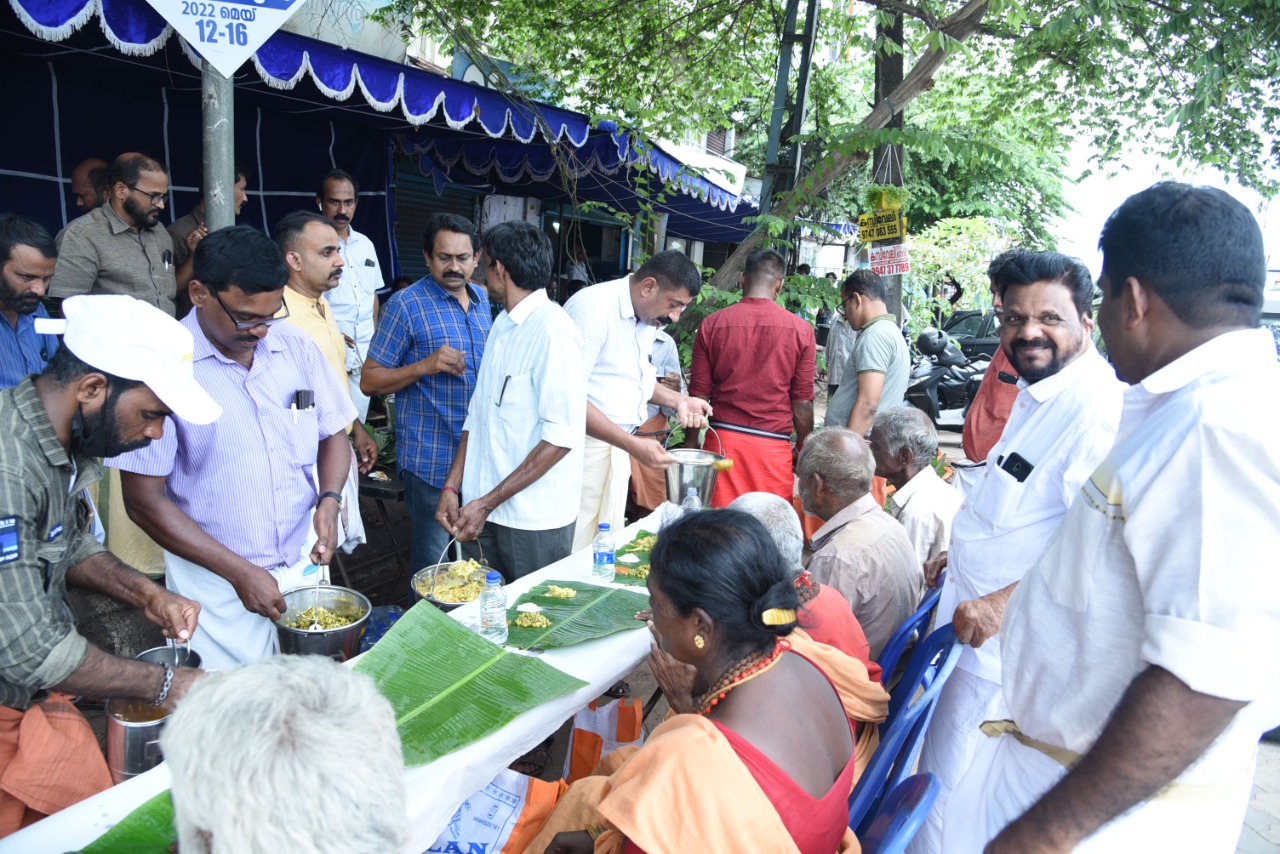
[[427, 352], [234, 503], [1062, 425], [117, 248]]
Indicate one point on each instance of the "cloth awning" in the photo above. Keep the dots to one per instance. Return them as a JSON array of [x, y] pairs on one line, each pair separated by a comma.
[[462, 133]]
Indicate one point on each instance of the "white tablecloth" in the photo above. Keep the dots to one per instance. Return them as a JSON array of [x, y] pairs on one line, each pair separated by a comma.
[[435, 791]]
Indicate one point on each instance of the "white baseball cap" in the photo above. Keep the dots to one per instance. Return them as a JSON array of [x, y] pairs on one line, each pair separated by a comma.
[[137, 341]]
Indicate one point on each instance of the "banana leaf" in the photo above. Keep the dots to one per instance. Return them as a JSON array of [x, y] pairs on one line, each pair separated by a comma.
[[450, 687], [147, 830], [633, 574], [595, 612]]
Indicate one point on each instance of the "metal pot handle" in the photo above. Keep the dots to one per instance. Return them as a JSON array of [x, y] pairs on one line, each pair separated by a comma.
[[435, 576], [711, 429]]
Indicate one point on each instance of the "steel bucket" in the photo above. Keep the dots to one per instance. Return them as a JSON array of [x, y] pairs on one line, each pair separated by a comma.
[[133, 737], [341, 643], [692, 469]]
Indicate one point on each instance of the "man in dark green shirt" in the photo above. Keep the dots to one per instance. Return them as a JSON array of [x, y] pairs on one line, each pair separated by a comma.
[[55, 424]]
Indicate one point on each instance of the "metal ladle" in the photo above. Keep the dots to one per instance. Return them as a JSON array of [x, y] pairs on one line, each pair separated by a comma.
[[315, 607]]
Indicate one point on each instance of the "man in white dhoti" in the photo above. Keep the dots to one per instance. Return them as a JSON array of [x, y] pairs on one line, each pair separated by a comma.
[[1130, 648], [1062, 424]]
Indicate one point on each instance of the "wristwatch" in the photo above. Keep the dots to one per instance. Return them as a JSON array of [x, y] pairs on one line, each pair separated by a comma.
[[336, 496]]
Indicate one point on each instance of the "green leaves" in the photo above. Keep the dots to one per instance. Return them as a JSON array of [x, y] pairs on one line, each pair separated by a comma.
[[147, 830], [594, 613], [450, 687]]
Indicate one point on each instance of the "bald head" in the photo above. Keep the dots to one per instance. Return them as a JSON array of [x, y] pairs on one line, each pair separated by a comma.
[[835, 470], [89, 183]]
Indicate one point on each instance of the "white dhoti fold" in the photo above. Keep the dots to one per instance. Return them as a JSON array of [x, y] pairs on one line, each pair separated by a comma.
[[950, 743], [606, 470], [1007, 777]]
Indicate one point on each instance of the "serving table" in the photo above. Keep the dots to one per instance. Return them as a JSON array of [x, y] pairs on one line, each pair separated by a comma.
[[433, 791]]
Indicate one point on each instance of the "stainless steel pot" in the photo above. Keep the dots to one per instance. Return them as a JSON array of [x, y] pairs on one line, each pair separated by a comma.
[[694, 469], [341, 643], [423, 583], [133, 737], [174, 656]]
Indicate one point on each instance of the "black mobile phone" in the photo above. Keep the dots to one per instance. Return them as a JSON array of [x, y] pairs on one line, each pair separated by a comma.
[[1017, 465]]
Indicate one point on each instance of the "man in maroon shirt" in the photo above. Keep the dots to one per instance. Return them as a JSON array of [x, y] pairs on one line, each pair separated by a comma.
[[754, 362]]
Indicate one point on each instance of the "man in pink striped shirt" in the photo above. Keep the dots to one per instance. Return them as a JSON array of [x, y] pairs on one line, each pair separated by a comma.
[[232, 502]]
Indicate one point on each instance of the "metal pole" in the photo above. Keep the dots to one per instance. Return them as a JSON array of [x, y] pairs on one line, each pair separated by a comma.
[[218, 96], [771, 166], [795, 127]]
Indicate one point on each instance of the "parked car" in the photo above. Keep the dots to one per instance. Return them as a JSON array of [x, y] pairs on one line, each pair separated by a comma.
[[975, 331]]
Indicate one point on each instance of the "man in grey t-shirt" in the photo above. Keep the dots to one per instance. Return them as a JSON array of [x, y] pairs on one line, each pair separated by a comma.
[[879, 367]]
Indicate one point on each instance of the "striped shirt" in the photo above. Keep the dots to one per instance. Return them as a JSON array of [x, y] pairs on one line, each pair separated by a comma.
[[23, 351], [532, 389], [430, 411], [247, 478], [44, 532]]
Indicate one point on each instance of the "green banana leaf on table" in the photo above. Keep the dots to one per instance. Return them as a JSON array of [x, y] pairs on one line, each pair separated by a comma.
[[147, 830], [450, 687], [594, 613], [623, 570]]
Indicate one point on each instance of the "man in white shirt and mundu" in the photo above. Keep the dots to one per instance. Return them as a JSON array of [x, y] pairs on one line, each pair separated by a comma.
[[1132, 647], [520, 455], [618, 321], [1062, 424]]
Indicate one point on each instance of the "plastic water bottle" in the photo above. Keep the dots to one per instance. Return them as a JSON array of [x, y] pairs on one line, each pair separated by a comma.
[[602, 554], [493, 609], [691, 504]]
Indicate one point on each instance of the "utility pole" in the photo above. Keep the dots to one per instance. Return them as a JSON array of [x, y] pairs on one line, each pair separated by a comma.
[[218, 111], [782, 168], [886, 162]]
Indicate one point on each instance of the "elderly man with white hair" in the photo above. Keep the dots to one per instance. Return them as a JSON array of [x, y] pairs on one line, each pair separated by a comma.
[[904, 443], [292, 753], [860, 550], [825, 615]]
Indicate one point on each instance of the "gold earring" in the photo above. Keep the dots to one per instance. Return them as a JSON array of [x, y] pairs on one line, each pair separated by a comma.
[[698, 641]]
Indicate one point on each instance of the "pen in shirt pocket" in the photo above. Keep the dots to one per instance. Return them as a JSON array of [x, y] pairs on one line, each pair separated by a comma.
[[503, 392]]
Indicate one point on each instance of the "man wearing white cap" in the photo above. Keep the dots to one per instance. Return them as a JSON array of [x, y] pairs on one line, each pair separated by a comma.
[[235, 504], [123, 367]]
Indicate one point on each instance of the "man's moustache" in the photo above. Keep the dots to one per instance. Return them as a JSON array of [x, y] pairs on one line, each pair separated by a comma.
[[1039, 342]]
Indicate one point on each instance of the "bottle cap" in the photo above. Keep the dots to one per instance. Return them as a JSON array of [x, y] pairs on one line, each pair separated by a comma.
[[493, 577], [604, 526], [692, 491]]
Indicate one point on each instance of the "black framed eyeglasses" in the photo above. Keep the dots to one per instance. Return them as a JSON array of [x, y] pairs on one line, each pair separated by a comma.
[[243, 325], [156, 199]]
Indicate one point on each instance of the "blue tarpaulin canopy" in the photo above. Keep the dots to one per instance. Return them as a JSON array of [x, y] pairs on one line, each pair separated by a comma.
[[302, 99]]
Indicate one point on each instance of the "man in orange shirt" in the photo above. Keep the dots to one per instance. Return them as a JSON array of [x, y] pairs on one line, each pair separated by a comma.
[[991, 405]]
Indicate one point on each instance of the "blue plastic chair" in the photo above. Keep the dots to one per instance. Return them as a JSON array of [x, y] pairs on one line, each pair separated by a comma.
[[901, 815], [916, 625], [903, 731]]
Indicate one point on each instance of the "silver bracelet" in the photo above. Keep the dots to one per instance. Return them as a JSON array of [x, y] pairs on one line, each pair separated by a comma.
[[164, 687]]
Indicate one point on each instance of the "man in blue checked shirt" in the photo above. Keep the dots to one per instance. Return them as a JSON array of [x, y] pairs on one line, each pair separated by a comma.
[[427, 351], [27, 257]]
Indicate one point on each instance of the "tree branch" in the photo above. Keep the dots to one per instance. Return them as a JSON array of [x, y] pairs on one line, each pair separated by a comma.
[[959, 26]]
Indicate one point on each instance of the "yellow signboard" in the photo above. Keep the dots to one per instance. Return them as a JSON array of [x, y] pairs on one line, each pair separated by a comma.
[[881, 225]]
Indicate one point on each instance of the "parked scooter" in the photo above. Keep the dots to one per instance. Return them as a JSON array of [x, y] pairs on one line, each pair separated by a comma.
[[943, 380]]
